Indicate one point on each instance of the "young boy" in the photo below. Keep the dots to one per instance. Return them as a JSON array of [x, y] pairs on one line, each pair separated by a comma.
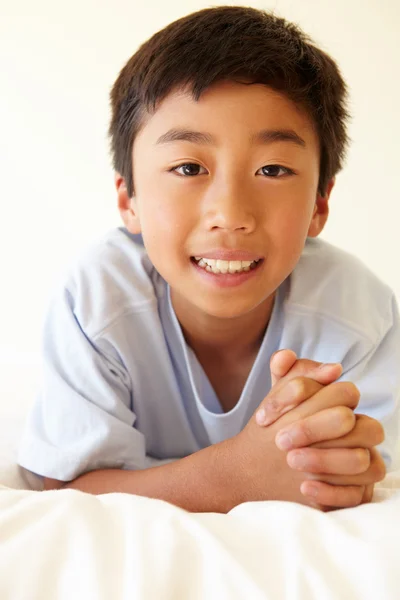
[[161, 376]]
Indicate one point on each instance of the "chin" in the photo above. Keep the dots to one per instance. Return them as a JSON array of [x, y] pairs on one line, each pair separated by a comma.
[[225, 310]]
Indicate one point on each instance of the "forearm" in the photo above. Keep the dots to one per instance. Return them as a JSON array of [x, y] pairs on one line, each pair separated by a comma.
[[201, 482]]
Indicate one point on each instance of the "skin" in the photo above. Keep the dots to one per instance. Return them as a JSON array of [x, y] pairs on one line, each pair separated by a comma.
[[350, 448], [180, 216], [234, 198], [250, 466]]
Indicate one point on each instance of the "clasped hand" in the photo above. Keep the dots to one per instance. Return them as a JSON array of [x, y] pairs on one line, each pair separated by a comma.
[[320, 433]]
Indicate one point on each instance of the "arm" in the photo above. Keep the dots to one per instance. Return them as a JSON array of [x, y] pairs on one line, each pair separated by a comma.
[[246, 467], [249, 466], [201, 482]]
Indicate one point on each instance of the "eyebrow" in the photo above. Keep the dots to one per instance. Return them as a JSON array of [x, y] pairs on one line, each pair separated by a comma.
[[265, 136]]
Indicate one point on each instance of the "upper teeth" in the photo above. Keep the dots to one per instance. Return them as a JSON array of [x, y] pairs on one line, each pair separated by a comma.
[[224, 266]]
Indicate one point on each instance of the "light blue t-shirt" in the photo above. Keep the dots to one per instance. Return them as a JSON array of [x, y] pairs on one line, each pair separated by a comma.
[[121, 388]]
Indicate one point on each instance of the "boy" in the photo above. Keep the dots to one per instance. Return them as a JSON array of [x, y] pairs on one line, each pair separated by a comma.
[[227, 131]]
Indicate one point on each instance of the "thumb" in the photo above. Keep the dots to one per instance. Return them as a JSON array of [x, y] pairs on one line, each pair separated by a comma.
[[280, 364]]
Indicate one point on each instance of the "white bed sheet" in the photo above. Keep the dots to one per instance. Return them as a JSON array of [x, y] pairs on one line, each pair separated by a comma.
[[66, 544]]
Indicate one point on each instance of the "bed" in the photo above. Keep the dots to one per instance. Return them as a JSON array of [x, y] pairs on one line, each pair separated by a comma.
[[65, 544]]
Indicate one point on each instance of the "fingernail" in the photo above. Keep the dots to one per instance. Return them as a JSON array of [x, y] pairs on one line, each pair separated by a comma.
[[327, 366], [284, 441], [260, 416], [298, 460], [312, 490]]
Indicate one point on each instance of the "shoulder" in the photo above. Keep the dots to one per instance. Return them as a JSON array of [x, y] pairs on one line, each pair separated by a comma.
[[111, 277], [333, 285]]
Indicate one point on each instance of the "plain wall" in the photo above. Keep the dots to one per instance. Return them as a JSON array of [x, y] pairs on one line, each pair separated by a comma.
[[58, 62]]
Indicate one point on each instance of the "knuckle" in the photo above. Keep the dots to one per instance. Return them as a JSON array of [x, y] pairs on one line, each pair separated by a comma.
[[357, 496], [303, 387], [368, 493], [272, 404], [371, 429], [308, 366], [378, 469], [346, 418], [342, 496], [305, 432], [298, 386], [379, 433], [351, 391], [352, 496]]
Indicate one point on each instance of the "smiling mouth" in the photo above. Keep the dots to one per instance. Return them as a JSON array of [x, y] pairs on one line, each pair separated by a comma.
[[224, 267]]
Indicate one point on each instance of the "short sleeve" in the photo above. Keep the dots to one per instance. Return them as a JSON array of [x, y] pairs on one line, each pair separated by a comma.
[[377, 376], [82, 419]]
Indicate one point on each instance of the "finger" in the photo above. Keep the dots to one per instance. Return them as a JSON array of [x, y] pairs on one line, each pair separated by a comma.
[[291, 394], [284, 368], [279, 399], [324, 425], [280, 363], [338, 461], [339, 393], [306, 397], [322, 372], [376, 472], [367, 432], [331, 495], [368, 494]]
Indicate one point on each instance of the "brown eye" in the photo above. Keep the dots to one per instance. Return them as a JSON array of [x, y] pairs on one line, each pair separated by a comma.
[[272, 171], [188, 169]]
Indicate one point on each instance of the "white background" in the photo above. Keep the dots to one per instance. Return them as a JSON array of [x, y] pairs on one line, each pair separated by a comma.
[[58, 61]]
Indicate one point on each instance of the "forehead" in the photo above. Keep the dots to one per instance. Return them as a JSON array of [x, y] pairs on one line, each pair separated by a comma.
[[228, 110]]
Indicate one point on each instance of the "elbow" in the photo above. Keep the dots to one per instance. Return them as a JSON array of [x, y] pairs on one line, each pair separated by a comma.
[[53, 484]]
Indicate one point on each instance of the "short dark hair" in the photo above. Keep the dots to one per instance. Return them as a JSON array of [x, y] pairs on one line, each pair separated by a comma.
[[231, 43]]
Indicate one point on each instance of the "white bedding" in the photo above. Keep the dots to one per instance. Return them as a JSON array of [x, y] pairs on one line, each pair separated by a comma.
[[65, 544]]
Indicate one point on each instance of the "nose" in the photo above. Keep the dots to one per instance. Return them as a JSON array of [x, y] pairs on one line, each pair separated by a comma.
[[230, 208]]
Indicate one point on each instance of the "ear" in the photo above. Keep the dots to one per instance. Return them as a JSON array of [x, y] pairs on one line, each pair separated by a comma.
[[321, 211], [126, 205]]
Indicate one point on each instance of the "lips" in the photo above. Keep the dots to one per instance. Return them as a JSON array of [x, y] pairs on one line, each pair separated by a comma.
[[236, 275], [225, 266]]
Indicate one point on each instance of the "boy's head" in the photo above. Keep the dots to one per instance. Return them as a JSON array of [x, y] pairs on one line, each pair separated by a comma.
[[230, 73]]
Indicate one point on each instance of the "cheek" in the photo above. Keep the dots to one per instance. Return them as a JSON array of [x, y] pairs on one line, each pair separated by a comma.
[[165, 229], [167, 207], [166, 218], [288, 226]]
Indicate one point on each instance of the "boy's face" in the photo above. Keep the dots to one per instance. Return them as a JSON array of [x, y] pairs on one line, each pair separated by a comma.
[[237, 193]]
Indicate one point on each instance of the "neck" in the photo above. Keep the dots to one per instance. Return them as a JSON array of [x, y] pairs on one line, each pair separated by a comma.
[[228, 339]]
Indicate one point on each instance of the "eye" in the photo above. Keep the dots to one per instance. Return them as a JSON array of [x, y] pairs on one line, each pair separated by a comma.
[[189, 169], [192, 169], [273, 171]]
